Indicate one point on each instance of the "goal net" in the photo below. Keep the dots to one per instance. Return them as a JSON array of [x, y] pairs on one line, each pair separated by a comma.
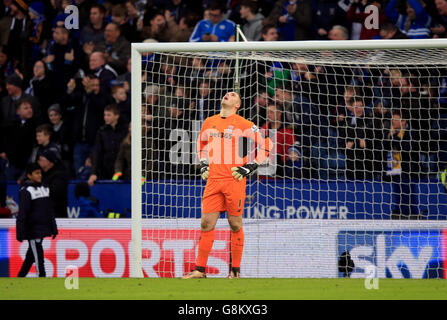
[[353, 183]]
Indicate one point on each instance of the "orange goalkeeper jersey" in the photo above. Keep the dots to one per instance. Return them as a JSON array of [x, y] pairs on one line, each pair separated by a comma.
[[226, 143]]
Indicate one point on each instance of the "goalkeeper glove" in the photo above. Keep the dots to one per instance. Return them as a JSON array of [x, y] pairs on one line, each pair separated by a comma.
[[116, 176], [204, 169], [240, 173]]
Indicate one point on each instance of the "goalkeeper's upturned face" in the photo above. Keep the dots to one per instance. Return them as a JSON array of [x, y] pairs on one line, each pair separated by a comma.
[[231, 100]]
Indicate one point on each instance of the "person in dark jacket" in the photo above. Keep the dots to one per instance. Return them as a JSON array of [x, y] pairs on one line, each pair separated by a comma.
[[63, 59], [17, 139], [107, 144], [35, 220], [402, 166], [55, 176], [294, 19], [88, 205], [87, 116]]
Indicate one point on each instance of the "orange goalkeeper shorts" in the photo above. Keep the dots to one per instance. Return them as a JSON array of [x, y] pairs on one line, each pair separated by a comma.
[[224, 195]]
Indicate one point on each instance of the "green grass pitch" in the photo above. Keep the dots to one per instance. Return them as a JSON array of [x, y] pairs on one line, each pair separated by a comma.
[[221, 289]]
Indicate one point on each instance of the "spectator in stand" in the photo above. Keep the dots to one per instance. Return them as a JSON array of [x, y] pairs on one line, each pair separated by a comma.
[[203, 106], [294, 18], [6, 69], [40, 87], [339, 113], [55, 176], [84, 11], [63, 59], [20, 29], [107, 145], [381, 119], [125, 78], [19, 132], [85, 171], [88, 117], [61, 134], [258, 111], [123, 161], [103, 71], [181, 31], [402, 163], [119, 16], [214, 29], [269, 32], [252, 27], [285, 137], [88, 205], [439, 27], [338, 33], [177, 9], [294, 162], [8, 104], [389, 30], [135, 20], [158, 29], [177, 118], [37, 15], [93, 32], [44, 143], [415, 23], [196, 73], [115, 47], [5, 21], [152, 105], [283, 98], [325, 15], [119, 96], [150, 140], [356, 13], [356, 137]]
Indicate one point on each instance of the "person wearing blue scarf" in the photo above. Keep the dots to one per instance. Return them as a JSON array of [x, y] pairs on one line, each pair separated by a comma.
[[37, 15]]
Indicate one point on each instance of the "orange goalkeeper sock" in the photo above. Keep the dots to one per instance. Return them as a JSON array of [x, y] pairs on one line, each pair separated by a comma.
[[205, 244], [237, 247]]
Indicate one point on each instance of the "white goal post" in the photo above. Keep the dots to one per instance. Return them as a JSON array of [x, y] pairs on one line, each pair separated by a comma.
[[303, 51]]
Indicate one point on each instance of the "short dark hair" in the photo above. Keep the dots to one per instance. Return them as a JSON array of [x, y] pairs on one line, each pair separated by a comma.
[[100, 7], [92, 76], [402, 113], [357, 99], [112, 108], [46, 128], [22, 101], [252, 5], [64, 30], [216, 5], [117, 26], [388, 26], [267, 27], [119, 10], [31, 167], [82, 190]]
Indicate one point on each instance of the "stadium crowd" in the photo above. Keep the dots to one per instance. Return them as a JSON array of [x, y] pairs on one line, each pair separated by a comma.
[[65, 93]]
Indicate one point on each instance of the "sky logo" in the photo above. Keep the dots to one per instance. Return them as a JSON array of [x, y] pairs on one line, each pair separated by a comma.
[[395, 254]]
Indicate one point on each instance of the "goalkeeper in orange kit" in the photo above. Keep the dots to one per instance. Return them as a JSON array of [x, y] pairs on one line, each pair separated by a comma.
[[224, 165]]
